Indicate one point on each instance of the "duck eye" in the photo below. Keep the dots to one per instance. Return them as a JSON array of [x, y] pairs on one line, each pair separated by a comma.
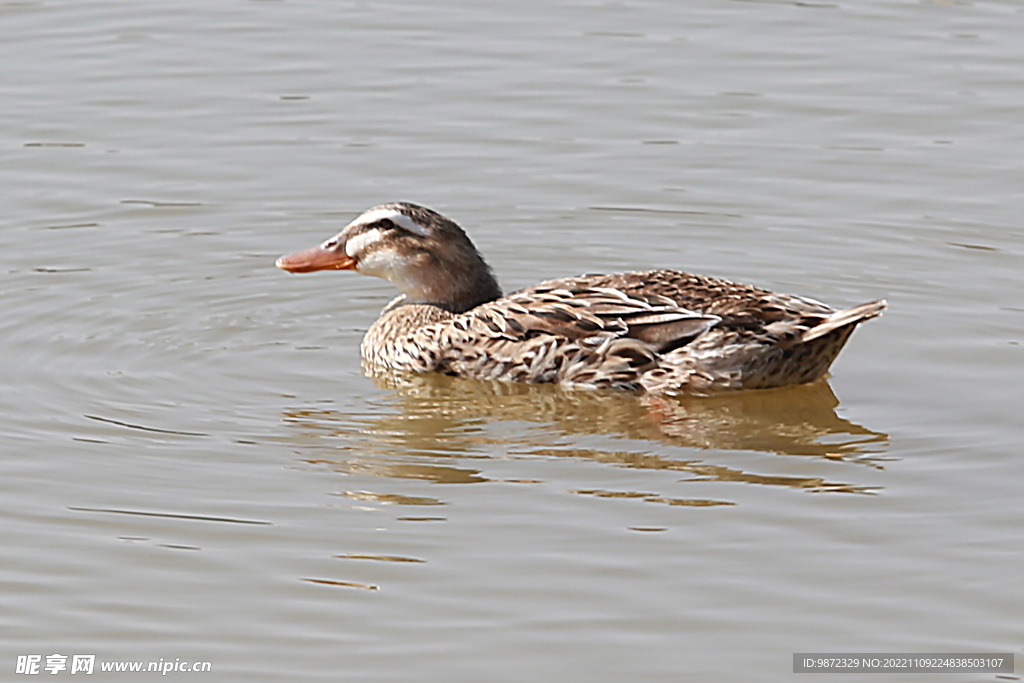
[[386, 224]]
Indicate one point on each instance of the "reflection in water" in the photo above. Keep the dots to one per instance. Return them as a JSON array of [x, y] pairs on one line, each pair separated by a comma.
[[444, 417], [652, 498], [392, 498]]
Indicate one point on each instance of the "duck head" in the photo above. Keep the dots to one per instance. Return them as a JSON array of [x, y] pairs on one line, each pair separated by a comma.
[[427, 256]]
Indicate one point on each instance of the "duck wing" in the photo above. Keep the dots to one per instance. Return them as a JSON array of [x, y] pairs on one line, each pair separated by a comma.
[[594, 336], [587, 313]]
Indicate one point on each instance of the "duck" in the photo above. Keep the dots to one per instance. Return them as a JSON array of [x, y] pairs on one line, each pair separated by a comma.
[[662, 332]]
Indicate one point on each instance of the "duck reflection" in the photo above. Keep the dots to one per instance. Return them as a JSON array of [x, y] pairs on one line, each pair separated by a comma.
[[443, 417]]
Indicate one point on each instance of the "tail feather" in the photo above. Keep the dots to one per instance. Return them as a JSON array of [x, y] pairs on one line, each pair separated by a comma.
[[851, 316]]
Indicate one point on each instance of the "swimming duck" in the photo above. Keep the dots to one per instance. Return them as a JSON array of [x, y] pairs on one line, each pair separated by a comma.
[[657, 331]]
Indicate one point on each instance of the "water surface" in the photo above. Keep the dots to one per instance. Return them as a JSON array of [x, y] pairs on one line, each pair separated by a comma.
[[195, 467]]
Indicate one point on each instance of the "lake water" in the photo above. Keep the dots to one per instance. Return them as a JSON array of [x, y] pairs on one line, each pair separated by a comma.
[[195, 470]]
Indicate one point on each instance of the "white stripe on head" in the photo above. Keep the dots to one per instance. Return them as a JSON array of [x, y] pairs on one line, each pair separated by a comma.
[[396, 217], [360, 242]]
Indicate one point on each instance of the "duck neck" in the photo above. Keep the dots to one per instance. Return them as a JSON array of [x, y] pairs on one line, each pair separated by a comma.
[[472, 292], [456, 288]]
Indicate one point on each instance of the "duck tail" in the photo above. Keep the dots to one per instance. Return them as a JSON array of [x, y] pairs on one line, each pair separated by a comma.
[[851, 316]]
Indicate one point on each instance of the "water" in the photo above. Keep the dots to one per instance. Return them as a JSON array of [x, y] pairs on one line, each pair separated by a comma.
[[195, 468]]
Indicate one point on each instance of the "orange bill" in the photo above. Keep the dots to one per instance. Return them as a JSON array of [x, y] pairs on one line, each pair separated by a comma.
[[317, 258]]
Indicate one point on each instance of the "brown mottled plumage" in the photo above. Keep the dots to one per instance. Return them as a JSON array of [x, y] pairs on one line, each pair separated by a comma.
[[659, 331]]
